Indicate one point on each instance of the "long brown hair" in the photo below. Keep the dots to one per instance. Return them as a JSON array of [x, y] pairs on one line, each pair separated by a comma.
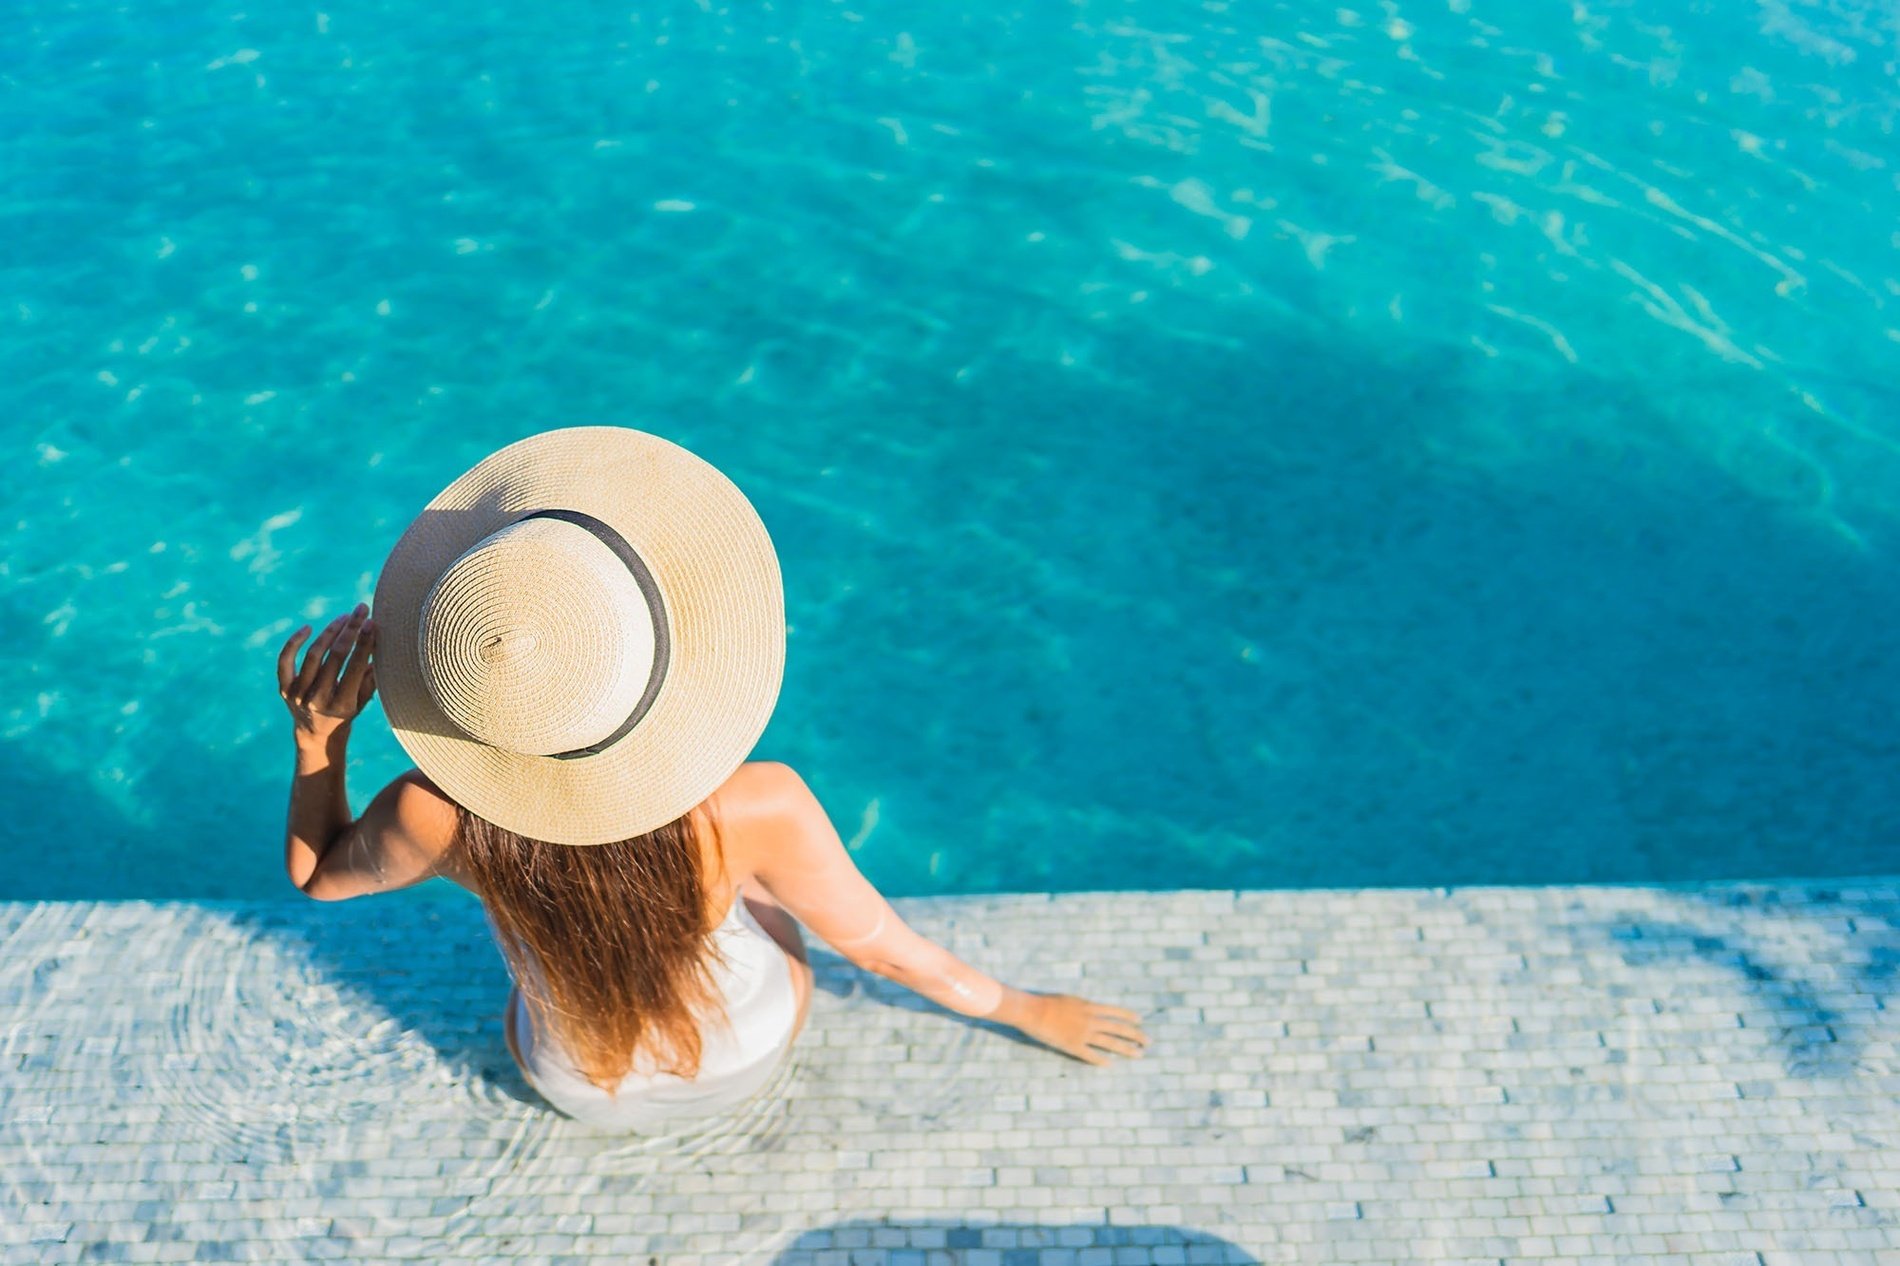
[[608, 943]]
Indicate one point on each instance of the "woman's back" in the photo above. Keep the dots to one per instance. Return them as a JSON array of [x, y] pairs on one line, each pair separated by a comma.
[[759, 992], [754, 962]]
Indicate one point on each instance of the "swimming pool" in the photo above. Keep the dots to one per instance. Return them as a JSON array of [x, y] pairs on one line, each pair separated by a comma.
[[1208, 445]]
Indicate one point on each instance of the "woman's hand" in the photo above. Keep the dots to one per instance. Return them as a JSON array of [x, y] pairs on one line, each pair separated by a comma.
[[336, 680], [1090, 1031]]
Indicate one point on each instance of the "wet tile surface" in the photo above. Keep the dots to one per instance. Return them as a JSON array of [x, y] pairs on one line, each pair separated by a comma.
[[1608, 1074]]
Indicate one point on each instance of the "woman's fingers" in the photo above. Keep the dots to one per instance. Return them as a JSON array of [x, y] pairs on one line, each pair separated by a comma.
[[342, 646], [368, 689], [337, 656], [327, 657], [1127, 1033], [1088, 1031], [1120, 1018], [350, 685], [1120, 1043], [287, 660], [313, 658]]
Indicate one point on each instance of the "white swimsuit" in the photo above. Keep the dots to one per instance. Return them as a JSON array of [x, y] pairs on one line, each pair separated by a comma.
[[760, 999]]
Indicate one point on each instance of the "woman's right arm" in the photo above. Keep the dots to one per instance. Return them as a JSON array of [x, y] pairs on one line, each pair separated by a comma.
[[806, 868]]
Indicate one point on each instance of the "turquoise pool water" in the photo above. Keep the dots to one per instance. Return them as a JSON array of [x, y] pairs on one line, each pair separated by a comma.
[[1208, 445]]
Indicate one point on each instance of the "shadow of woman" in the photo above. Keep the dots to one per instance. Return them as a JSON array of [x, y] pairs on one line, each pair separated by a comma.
[[423, 960]]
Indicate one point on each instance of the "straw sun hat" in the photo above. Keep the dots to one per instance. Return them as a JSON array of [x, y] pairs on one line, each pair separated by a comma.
[[583, 636]]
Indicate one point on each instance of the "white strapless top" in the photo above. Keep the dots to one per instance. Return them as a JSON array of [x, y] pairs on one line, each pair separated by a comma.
[[761, 1001]]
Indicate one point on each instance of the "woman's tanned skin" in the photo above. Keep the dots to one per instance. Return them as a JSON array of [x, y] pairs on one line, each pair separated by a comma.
[[773, 828]]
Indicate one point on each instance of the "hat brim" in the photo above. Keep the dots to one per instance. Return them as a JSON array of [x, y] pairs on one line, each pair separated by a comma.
[[725, 608]]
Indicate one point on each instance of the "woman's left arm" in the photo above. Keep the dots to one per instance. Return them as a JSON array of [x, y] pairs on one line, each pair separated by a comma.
[[811, 873], [329, 855]]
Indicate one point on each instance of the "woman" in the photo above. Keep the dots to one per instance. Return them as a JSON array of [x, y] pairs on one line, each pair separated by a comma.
[[578, 643]]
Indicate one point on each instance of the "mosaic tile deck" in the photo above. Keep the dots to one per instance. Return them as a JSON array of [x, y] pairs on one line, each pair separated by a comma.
[[1616, 1074]]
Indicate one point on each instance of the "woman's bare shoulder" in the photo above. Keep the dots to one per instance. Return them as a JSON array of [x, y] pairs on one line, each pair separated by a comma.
[[748, 805], [758, 783], [430, 819], [427, 811]]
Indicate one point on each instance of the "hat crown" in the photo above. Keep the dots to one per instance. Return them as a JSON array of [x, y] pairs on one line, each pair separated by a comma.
[[538, 639]]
